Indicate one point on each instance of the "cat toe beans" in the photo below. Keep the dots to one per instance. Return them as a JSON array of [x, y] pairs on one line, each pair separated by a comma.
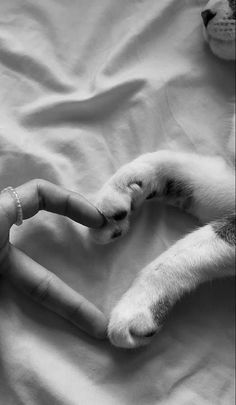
[[120, 215], [116, 202], [153, 194], [115, 205], [116, 234], [124, 192]]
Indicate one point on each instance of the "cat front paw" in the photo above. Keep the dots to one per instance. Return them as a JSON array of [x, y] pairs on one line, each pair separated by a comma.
[[115, 205], [120, 196], [137, 318]]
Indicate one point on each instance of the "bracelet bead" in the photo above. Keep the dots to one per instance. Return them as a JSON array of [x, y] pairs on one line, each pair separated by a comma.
[[15, 196]]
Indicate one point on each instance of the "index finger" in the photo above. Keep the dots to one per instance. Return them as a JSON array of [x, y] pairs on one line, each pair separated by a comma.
[[49, 290], [37, 195]]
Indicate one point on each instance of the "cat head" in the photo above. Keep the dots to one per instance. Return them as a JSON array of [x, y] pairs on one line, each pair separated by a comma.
[[219, 27]]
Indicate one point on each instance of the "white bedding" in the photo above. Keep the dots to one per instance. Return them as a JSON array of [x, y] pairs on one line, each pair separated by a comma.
[[86, 86]]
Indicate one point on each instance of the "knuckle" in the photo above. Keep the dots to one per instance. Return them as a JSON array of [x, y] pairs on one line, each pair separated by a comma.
[[75, 312], [40, 187], [41, 291], [36, 183]]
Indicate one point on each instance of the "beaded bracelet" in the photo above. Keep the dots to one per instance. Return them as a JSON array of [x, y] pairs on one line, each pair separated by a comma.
[[19, 211]]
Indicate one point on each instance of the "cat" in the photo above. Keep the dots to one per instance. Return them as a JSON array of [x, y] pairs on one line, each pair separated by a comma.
[[179, 179]]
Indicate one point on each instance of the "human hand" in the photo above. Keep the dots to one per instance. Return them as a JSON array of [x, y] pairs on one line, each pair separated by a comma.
[[36, 281]]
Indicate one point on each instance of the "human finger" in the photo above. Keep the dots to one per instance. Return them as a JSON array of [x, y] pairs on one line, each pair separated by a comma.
[[49, 290], [38, 194]]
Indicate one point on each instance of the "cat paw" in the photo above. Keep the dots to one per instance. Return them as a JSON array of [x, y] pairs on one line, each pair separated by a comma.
[[119, 197], [116, 204], [137, 318]]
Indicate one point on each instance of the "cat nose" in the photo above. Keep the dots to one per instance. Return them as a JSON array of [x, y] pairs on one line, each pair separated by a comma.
[[207, 16]]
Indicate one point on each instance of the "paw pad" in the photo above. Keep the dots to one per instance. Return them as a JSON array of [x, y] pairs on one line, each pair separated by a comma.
[[120, 215], [139, 183], [116, 234], [152, 195]]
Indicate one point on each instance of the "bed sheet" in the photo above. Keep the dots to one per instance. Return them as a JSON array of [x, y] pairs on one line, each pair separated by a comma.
[[86, 86]]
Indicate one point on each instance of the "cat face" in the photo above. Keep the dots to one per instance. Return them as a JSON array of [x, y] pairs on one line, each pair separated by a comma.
[[219, 27]]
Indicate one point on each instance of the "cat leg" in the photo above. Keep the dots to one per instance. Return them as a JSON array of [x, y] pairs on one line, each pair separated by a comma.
[[205, 254], [201, 185]]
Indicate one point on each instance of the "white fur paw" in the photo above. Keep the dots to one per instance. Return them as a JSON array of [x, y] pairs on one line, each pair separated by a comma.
[[121, 195], [116, 204], [136, 318]]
